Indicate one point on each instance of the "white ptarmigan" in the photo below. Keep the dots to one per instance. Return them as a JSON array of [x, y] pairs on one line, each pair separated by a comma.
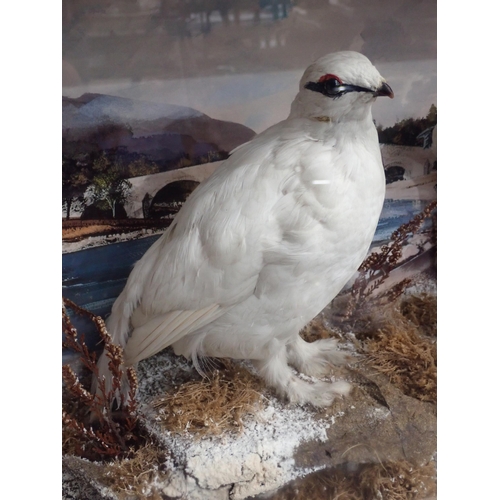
[[265, 243]]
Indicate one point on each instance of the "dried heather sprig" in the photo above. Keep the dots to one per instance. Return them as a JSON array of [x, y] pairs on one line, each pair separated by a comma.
[[113, 438], [376, 268]]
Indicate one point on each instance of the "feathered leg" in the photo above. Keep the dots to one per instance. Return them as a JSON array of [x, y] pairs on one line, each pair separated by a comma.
[[315, 358], [276, 373]]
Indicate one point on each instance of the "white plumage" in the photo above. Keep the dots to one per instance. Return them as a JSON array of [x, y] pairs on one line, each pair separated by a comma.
[[264, 244]]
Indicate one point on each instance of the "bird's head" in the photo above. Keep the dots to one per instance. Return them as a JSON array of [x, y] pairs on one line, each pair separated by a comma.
[[338, 86]]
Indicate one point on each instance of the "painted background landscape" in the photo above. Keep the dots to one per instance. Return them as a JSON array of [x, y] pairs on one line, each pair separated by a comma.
[[156, 94]]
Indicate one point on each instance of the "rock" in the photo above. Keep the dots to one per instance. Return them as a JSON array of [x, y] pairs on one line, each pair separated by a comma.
[[376, 423]]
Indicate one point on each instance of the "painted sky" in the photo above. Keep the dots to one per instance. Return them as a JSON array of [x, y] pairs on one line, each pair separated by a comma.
[[231, 66]]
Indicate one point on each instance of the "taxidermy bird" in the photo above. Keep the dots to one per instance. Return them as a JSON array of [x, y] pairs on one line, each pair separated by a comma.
[[266, 242]]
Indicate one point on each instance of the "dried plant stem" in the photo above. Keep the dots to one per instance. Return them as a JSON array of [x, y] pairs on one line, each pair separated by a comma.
[[376, 268], [113, 438]]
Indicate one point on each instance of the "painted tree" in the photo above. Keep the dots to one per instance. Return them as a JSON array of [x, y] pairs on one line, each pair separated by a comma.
[[109, 187], [406, 132], [141, 166], [75, 179], [432, 115]]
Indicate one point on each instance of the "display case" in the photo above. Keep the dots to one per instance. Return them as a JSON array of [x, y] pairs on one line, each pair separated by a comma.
[[156, 94]]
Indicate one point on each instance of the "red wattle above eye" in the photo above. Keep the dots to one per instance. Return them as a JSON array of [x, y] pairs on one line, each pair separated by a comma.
[[328, 76]]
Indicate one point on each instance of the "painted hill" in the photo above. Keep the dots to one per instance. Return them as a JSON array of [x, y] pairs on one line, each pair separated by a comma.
[[161, 133]]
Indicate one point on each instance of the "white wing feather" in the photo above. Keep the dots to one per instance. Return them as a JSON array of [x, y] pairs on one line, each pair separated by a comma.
[[161, 331]]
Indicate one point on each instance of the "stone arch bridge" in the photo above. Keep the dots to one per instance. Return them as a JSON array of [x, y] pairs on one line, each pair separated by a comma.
[[146, 186], [407, 162]]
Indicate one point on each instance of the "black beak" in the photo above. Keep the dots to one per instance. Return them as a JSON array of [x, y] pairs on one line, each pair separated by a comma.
[[384, 90]]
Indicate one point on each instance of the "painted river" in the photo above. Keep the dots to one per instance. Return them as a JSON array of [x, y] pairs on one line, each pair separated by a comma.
[[94, 277]]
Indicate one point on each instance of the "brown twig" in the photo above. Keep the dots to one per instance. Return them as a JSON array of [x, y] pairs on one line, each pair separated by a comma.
[[113, 437], [377, 267]]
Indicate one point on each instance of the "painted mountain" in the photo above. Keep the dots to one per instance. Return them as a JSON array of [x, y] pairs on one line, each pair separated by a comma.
[[167, 135]]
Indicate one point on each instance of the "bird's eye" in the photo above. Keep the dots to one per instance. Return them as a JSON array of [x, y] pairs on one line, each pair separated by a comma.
[[329, 85], [332, 86]]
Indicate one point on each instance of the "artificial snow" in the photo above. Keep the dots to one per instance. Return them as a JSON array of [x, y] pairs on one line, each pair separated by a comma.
[[234, 465]]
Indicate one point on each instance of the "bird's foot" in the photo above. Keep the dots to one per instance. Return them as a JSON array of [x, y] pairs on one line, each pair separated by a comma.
[[315, 358], [320, 394], [277, 374]]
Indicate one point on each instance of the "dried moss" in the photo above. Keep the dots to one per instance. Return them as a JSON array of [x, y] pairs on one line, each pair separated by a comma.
[[402, 349], [138, 475], [389, 481], [317, 329], [422, 312], [212, 405]]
